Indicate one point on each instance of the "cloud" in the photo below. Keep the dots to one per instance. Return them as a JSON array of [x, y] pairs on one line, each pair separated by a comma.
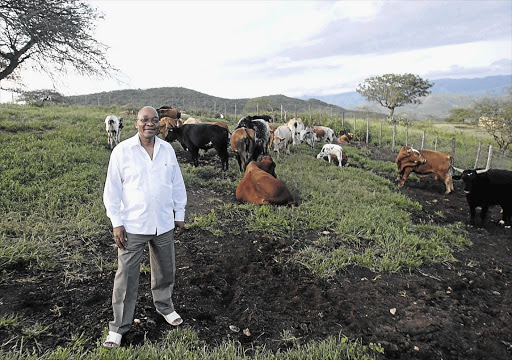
[[410, 25]]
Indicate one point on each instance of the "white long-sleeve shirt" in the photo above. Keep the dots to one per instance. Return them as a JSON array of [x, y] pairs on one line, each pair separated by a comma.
[[144, 195]]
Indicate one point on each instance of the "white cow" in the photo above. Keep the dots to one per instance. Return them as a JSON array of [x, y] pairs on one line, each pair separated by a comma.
[[113, 125], [282, 139], [317, 133], [334, 150], [296, 126]]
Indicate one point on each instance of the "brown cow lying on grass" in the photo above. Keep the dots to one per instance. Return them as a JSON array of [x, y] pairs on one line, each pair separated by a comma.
[[345, 138], [259, 185], [424, 163]]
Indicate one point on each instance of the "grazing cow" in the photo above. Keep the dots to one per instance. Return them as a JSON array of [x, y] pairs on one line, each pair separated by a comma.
[[260, 186], [243, 144], [332, 151], [424, 163], [296, 126], [317, 133], [167, 111], [166, 123], [345, 138], [113, 125], [193, 137], [485, 188], [261, 129], [282, 139]]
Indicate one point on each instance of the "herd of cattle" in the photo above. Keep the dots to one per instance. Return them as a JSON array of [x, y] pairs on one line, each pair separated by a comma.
[[256, 136]]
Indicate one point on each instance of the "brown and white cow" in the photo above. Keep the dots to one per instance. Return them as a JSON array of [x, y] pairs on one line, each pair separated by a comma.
[[317, 133], [296, 126], [333, 153], [424, 163], [345, 138], [260, 186], [243, 143]]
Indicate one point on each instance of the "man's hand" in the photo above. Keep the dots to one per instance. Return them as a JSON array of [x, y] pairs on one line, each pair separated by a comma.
[[179, 227], [120, 237]]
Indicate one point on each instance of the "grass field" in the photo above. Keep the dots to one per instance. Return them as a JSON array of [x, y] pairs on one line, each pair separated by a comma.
[[53, 164]]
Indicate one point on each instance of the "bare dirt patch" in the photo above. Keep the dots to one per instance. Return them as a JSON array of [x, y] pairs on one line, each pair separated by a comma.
[[451, 311]]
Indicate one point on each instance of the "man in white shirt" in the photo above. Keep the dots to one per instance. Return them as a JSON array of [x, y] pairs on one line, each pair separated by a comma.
[[145, 199]]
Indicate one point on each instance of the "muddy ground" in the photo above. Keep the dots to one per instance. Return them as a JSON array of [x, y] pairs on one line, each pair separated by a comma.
[[450, 311]]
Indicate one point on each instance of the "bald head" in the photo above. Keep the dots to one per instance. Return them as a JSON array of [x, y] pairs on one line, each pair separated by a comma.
[[147, 111]]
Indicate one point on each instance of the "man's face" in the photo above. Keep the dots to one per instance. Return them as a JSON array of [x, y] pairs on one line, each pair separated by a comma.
[[147, 123]]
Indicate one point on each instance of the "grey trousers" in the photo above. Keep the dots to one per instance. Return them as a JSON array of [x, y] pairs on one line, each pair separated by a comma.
[[126, 282]]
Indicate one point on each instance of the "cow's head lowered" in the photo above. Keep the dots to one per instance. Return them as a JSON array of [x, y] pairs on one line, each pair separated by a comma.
[[408, 156]]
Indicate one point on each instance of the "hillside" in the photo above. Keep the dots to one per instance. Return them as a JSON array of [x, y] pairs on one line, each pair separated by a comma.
[[196, 102]]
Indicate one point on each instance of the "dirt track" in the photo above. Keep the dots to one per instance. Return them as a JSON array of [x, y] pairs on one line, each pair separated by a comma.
[[457, 311]]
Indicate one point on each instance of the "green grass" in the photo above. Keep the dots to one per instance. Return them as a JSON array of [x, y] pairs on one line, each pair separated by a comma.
[[184, 344], [53, 163]]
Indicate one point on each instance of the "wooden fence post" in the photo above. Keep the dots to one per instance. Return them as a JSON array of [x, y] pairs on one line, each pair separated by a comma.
[[367, 130], [394, 137], [423, 140], [380, 134], [489, 158], [453, 147], [343, 119], [354, 122], [435, 146], [478, 154], [407, 134]]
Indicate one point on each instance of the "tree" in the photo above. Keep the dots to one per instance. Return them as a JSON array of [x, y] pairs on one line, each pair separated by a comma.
[[495, 115], [50, 36], [259, 104], [460, 115], [42, 97], [392, 91]]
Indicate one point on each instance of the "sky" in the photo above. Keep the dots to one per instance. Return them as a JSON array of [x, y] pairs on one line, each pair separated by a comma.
[[244, 49]]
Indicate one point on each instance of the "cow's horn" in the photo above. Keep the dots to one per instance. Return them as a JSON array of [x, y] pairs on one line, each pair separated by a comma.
[[481, 171], [457, 169]]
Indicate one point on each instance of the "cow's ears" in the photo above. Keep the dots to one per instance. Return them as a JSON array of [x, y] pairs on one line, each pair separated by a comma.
[[457, 177]]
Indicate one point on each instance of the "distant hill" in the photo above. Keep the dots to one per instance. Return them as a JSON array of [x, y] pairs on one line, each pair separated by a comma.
[[446, 94], [198, 103]]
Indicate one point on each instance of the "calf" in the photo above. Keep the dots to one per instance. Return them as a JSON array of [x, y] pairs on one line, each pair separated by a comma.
[[425, 163], [243, 144], [332, 151], [259, 185], [282, 139], [113, 126], [193, 137], [485, 188], [317, 133]]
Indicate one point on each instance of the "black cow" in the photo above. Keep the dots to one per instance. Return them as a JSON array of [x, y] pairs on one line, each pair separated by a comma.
[[261, 131], [485, 188], [193, 137]]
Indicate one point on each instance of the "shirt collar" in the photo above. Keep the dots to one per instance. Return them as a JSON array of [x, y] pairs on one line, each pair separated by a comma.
[[135, 141]]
